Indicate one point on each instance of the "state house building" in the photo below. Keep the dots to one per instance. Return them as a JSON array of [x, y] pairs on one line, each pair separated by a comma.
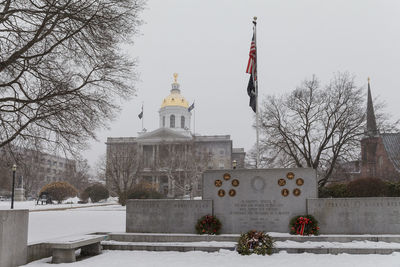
[[172, 158]]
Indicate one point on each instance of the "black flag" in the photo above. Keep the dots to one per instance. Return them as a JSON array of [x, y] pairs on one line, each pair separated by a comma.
[[141, 114], [191, 107], [251, 91]]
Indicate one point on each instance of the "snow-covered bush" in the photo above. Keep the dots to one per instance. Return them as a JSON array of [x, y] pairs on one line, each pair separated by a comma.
[[59, 191], [95, 192]]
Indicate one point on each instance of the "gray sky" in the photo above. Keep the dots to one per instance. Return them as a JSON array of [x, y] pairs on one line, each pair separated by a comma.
[[207, 43]]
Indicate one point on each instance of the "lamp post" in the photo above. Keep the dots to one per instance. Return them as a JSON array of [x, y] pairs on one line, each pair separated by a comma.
[[234, 164], [14, 168]]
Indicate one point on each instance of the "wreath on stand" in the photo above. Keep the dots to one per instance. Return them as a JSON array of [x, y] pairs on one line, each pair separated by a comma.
[[209, 225], [256, 242], [304, 225]]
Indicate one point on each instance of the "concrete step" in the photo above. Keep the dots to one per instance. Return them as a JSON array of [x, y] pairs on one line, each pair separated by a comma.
[[212, 246], [358, 247], [160, 237]]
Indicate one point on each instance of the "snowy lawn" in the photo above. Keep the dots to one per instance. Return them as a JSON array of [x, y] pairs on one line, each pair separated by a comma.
[[226, 258], [69, 203], [46, 225]]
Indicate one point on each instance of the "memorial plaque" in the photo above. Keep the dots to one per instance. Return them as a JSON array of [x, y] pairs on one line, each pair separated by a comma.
[[290, 175], [221, 193], [281, 182], [299, 182], [284, 192], [232, 192], [218, 183], [296, 192], [227, 176], [257, 203]]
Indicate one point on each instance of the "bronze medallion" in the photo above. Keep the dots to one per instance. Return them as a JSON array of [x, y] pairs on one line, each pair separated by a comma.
[[285, 192], [235, 182], [227, 176], [281, 182], [296, 192], [218, 183], [299, 181], [290, 175], [221, 193], [232, 192]]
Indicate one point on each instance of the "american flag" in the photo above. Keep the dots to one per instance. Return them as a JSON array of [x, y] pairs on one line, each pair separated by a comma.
[[252, 70], [251, 65]]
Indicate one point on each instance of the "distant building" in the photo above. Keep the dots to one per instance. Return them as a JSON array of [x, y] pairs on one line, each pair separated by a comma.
[[36, 169], [380, 153], [172, 155]]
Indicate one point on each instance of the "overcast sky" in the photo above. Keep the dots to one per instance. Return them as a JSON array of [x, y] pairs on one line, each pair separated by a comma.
[[207, 43]]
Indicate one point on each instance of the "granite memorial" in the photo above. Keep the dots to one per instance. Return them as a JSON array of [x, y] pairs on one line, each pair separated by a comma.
[[165, 215], [262, 199]]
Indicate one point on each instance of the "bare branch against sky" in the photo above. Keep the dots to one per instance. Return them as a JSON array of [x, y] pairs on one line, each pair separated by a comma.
[[207, 43]]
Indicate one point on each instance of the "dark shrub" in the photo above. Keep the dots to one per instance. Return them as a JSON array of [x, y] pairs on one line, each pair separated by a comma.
[[142, 193], [95, 192], [392, 189], [333, 190], [367, 187], [59, 191]]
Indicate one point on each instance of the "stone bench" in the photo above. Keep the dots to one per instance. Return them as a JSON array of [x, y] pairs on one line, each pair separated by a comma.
[[63, 250]]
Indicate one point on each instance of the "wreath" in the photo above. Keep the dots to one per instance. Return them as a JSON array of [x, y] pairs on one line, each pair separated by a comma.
[[255, 242], [304, 225], [209, 225]]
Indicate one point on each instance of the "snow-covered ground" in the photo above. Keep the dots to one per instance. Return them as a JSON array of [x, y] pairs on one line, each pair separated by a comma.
[[226, 258], [46, 225], [69, 203]]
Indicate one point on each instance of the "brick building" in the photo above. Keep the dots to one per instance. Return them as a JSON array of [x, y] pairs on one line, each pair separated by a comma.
[[380, 152]]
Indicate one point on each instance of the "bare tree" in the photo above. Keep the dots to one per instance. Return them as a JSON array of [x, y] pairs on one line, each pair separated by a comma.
[[183, 164], [61, 68], [313, 126], [78, 174], [122, 170]]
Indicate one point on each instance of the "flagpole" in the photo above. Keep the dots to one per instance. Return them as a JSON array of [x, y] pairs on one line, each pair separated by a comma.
[[256, 86], [142, 117], [194, 121]]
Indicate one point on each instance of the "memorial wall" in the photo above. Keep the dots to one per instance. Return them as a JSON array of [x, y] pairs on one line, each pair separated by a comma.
[[165, 215], [372, 215], [260, 199], [264, 200]]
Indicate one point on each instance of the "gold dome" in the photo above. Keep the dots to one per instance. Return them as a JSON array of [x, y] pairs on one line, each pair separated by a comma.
[[175, 98]]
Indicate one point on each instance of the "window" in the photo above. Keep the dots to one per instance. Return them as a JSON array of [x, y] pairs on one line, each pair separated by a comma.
[[172, 121], [182, 122], [163, 121]]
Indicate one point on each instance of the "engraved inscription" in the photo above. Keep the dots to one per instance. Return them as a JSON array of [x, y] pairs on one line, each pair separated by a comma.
[[258, 212]]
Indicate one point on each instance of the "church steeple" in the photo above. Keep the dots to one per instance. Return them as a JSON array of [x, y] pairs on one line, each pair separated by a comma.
[[372, 130]]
